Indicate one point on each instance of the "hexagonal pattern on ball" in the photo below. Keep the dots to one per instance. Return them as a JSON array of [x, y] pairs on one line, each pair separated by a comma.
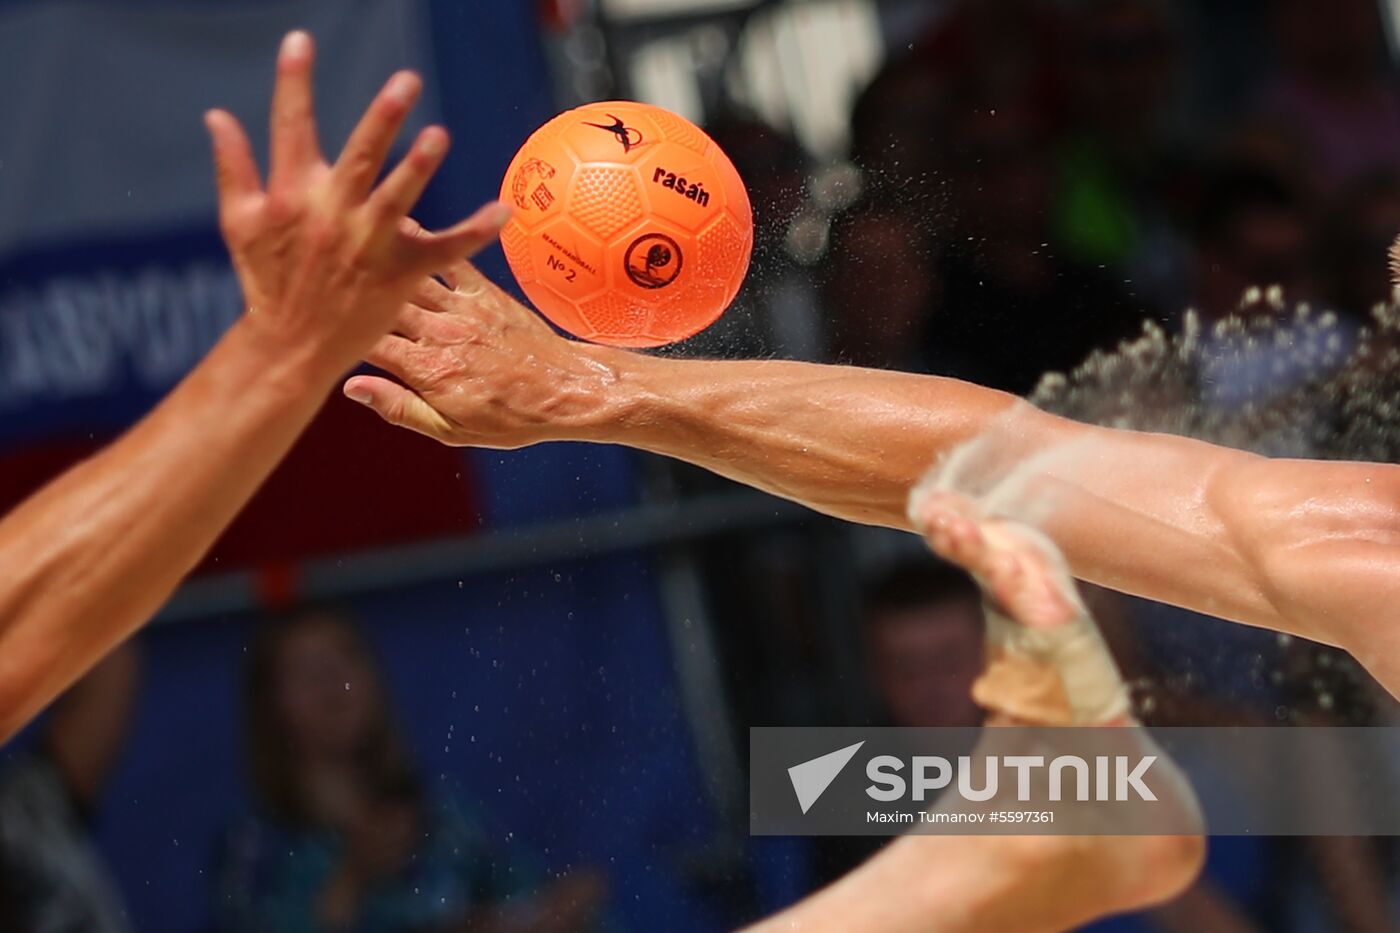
[[722, 248], [617, 318], [516, 246], [682, 132], [606, 200]]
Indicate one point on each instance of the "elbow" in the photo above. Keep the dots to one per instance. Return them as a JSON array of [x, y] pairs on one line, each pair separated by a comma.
[[1305, 535]]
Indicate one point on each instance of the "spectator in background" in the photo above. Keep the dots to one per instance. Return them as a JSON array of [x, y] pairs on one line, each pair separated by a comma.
[[1256, 234], [1267, 144], [879, 275], [1253, 230], [1336, 86], [879, 284], [956, 142], [349, 836], [1000, 276], [925, 644], [52, 877]]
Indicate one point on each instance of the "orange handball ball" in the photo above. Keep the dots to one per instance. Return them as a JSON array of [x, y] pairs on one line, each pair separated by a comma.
[[631, 227]]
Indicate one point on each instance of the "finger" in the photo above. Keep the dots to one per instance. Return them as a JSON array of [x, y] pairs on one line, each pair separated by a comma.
[[432, 295], [393, 354], [294, 145], [398, 405], [444, 249], [235, 172], [364, 154], [418, 324], [398, 193], [462, 275], [467, 281]]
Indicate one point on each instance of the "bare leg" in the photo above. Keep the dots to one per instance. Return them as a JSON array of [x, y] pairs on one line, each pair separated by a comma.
[[1001, 884]]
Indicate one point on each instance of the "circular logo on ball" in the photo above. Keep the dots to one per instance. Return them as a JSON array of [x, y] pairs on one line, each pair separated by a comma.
[[654, 261]]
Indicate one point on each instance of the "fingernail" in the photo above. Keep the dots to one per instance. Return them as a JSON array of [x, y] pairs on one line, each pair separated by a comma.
[[297, 42], [359, 394], [403, 87], [433, 142]]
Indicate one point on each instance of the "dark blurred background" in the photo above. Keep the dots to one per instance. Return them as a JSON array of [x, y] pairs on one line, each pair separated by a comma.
[[424, 689]]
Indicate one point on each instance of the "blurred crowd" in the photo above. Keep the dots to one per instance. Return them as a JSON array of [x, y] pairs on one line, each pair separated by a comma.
[[1062, 170], [345, 831], [1040, 177]]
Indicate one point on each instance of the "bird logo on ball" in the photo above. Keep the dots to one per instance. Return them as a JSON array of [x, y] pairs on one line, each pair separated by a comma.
[[631, 226]]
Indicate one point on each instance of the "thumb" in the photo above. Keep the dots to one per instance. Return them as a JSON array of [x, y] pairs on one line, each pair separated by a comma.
[[398, 406]]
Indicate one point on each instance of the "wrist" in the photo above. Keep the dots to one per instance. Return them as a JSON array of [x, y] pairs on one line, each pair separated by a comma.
[[620, 400], [285, 367]]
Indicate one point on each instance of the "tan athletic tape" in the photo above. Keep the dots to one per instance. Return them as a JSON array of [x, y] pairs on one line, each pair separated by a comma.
[[1077, 651]]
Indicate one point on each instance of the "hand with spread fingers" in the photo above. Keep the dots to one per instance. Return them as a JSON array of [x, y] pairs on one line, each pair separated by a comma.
[[326, 258], [324, 255], [479, 369]]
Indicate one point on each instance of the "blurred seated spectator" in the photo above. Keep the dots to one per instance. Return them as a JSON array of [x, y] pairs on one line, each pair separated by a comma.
[[1269, 144], [946, 265], [1253, 231], [1256, 236], [54, 879], [1336, 86], [925, 646], [924, 639], [349, 836], [1009, 310], [879, 284]]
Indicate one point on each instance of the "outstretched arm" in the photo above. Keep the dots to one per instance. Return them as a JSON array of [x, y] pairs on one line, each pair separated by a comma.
[[1309, 548], [325, 262]]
